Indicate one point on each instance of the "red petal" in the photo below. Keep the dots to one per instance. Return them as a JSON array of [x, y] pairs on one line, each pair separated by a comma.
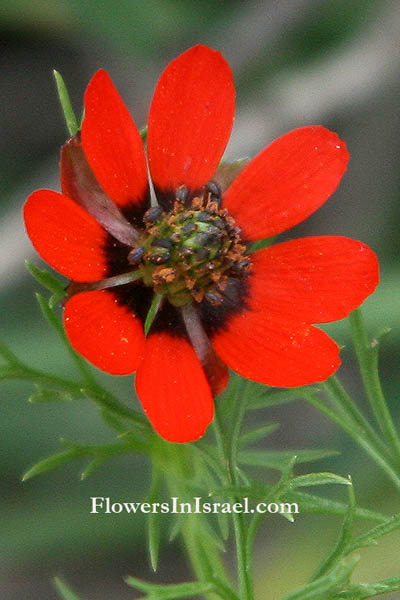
[[66, 236], [173, 389], [270, 350], [287, 182], [112, 143], [190, 119], [106, 333], [314, 279]]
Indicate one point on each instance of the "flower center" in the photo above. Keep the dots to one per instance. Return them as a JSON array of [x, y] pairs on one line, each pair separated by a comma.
[[190, 252]]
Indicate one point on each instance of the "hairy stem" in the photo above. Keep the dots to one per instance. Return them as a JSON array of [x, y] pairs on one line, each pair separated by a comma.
[[367, 356]]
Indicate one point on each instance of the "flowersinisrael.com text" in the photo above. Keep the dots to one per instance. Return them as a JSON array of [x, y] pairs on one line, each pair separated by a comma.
[[106, 505]]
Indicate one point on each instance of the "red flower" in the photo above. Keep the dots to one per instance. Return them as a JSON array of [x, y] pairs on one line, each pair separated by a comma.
[[254, 313]]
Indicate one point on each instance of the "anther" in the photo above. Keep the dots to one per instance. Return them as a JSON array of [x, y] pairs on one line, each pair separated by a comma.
[[213, 188], [189, 228], [218, 222], [175, 237], [203, 216], [184, 216], [240, 266], [162, 243], [135, 255], [204, 238], [185, 252], [182, 194], [202, 254], [164, 275], [159, 258], [153, 214], [213, 298]]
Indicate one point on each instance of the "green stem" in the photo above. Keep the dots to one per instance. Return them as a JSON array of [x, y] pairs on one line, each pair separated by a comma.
[[227, 446], [367, 357], [342, 399], [205, 561], [355, 433], [101, 396]]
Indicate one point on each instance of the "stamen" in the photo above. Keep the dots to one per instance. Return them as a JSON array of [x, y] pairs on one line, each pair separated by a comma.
[[196, 333], [76, 287], [213, 366], [136, 255], [182, 194], [85, 191], [190, 252], [153, 215]]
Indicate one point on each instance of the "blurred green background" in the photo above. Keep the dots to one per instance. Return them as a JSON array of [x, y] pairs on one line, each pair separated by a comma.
[[331, 62]]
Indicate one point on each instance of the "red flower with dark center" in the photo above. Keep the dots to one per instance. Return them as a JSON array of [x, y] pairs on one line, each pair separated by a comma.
[[218, 306]]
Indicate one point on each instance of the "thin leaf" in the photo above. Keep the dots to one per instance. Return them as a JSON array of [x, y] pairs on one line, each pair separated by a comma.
[[65, 101], [280, 460], [170, 591], [95, 464], [260, 244], [56, 324], [345, 535], [211, 536], [276, 398], [45, 395], [53, 462], [251, 437], [180, 520], [143, 133], [12, 372], [311, 504], [65, 591], [318, 479], [359, 591], [46, 279], [114, 422], [153, 522], [323, 587], [8, 355], [73, 451], [155, 305], [371, 536]]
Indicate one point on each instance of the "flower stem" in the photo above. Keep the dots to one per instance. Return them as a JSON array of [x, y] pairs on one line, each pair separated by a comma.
[[227, 446], [205, 561], [367, 356]]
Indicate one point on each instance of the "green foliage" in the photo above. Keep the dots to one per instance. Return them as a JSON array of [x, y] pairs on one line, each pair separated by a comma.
[[65, 591], [155, 305], [49, 281], [264, 399], [44, 395], [257, 434], [280, 459], [170, 591], [66, 106], [100, 454], [325, 587], [331, 581], [153, 521]]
